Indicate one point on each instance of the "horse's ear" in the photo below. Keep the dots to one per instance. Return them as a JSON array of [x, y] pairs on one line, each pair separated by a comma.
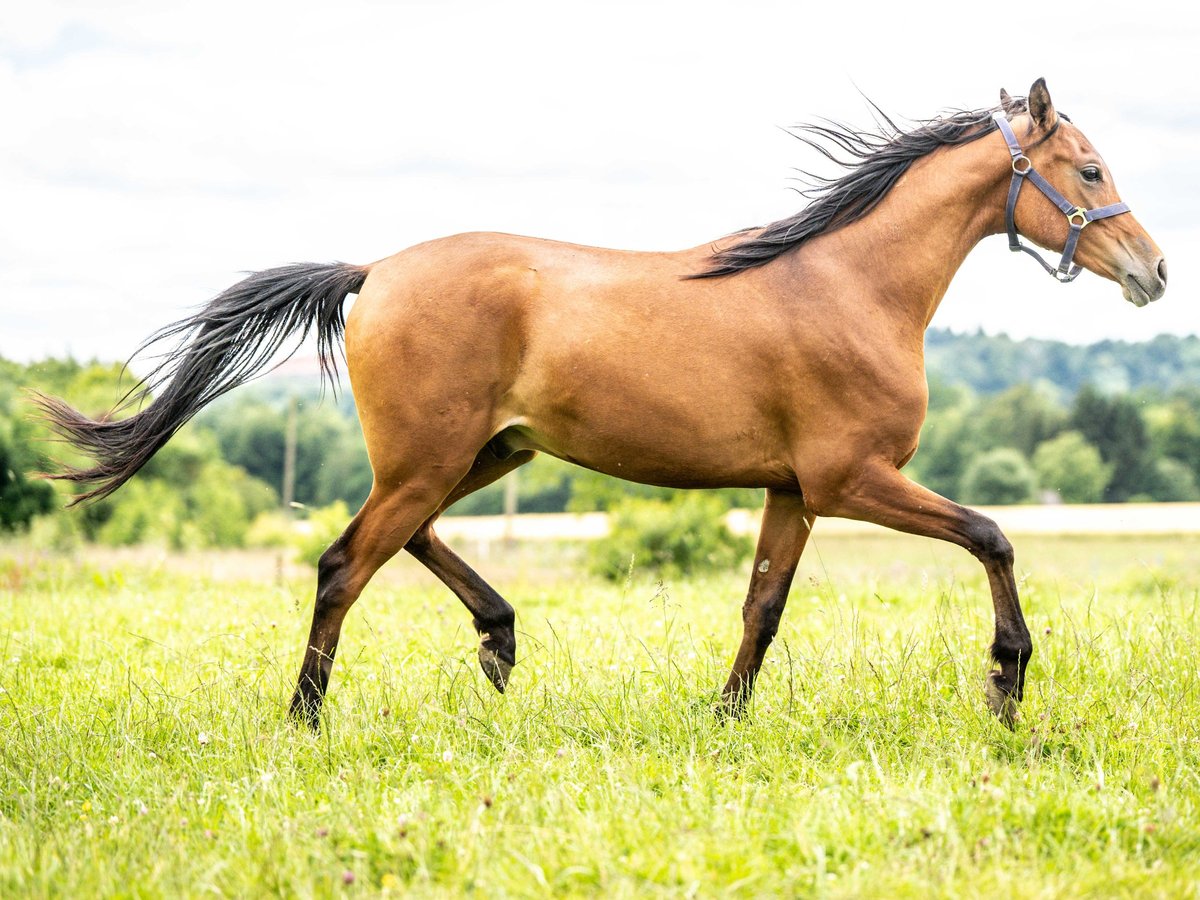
[[1041, 107], [1008, 104]]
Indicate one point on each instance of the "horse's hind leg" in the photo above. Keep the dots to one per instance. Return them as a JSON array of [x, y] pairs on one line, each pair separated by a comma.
[[785, 528], [493, 617], [384, 524]]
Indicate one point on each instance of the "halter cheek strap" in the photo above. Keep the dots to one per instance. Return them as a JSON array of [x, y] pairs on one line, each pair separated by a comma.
[[1077, 216]]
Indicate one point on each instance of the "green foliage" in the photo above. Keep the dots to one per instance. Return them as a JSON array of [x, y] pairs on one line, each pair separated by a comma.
[[991, 364], [1114, 425], [543, 485], [1072, 468], [21, 496], [331, 457], [147, 511], [320, 529], [1175, 429], [271, 529], [668, 539], [948, 444], [185, 497], [1021, 417], [999, 477], [1175, 481]]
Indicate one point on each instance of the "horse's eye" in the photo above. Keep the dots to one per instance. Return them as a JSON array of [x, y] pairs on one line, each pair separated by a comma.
[[1091, 174]]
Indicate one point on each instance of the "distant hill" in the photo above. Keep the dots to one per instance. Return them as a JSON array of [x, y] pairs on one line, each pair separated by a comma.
[[990, 364]]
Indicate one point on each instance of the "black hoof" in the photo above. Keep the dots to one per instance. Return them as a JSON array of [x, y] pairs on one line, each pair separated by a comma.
[[731, 707], [496, 666], [1001, 700], [305, 711]]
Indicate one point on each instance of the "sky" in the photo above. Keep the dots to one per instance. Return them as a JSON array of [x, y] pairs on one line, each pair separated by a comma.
[[152, 152]]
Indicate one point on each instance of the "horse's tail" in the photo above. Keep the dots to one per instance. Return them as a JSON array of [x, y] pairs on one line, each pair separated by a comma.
[[223, 346]]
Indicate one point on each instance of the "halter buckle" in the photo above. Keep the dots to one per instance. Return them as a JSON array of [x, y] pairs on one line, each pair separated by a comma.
[[1078, 213], [1021, 158]]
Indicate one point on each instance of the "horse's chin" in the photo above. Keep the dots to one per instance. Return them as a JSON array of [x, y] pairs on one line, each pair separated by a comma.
[[1134, 293], [1146, 286]]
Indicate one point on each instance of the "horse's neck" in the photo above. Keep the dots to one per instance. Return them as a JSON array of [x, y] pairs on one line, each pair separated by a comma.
[[904, 254]]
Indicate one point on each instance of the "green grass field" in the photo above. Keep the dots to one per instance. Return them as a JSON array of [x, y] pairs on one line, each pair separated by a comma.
[[144, 749]]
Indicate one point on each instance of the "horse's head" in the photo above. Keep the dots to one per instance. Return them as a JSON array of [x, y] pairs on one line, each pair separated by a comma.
[[1115, 247]]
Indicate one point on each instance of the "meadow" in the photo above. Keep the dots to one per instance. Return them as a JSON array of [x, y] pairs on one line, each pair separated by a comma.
[[144, 749]]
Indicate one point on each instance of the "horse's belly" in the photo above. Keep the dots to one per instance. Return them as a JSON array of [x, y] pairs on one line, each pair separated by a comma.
[[655, 445]]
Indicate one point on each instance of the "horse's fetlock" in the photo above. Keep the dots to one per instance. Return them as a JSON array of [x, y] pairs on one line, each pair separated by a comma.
[[1012, 647]]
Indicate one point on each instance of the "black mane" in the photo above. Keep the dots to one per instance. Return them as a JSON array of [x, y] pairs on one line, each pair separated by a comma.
[[874, 162]]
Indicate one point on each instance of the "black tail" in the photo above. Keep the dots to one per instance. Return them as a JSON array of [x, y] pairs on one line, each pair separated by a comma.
[[223, 346]]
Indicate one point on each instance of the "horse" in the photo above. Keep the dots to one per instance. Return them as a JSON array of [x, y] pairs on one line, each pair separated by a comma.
[[787, 357]]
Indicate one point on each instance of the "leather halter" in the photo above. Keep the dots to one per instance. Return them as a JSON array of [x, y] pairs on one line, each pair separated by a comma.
[[1077, 216]]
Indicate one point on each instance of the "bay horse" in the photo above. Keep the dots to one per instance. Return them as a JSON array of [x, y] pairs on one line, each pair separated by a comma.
[[787, 357]]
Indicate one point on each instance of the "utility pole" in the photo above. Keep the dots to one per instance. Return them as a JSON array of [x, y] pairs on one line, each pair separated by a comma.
[[289, 458], [511, 486]]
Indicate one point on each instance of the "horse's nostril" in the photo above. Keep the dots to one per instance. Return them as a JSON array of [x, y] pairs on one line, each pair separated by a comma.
[[1162, 270]]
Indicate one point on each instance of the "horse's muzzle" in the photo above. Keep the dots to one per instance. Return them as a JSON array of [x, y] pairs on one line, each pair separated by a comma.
[[1145, 287]]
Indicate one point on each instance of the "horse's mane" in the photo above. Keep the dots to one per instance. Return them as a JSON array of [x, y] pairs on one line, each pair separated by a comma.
[[873, 161]]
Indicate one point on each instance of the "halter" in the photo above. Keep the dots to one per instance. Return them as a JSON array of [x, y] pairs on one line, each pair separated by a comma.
[[1077, 216]]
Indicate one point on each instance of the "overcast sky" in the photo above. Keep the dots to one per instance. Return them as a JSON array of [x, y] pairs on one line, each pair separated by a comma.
[[151, 152]]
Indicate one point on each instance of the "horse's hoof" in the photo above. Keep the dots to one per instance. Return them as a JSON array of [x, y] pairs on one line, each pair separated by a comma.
[[1001, 702], [730, 708], [494, 667], [305, 711]]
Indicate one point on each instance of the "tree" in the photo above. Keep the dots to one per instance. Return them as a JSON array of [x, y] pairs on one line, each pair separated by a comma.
[[1071, 467], [949, 441], [1175, 481], [1114, 425], [1175, 429], [21, 497], [999, 477], [1022, 417]]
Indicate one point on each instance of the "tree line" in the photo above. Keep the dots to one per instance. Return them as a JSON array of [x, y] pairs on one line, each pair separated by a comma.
[[1009, 422]]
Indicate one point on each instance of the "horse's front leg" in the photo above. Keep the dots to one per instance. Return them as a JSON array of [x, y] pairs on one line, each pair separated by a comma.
[[879, 493], [785, 528]]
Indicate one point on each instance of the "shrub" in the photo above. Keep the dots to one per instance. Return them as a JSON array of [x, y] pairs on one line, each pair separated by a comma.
[[271, 529], [999, 477], [1072, 467], [322, 528], [1176, 481], [668, 538]]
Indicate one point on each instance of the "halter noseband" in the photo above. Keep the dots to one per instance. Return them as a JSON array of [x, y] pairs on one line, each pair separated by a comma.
[[1077, 216]]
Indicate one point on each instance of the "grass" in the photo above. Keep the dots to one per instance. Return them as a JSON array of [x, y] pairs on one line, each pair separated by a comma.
[[144, 750]]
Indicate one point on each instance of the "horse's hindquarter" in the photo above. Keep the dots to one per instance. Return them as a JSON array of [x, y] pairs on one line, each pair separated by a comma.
[[606, 358]]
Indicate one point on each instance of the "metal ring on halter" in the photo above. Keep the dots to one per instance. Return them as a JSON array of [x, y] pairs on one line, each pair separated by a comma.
[[1025, 159], [1078, 213]]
